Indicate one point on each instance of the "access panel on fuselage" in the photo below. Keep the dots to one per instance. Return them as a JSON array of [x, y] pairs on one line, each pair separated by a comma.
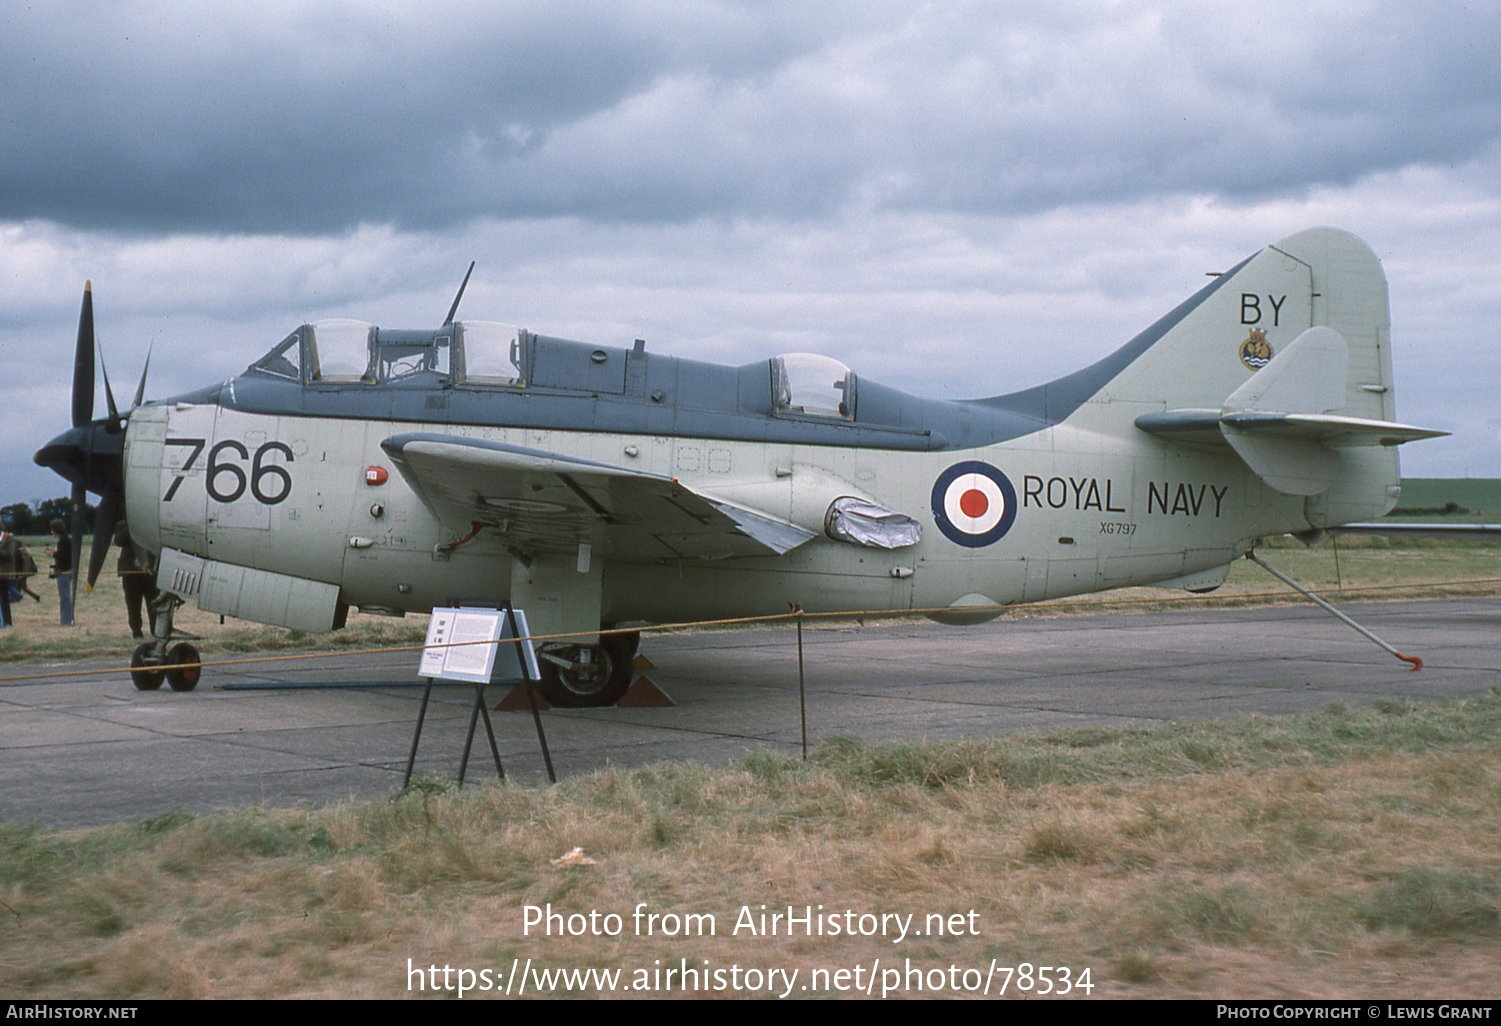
[[276, 490]]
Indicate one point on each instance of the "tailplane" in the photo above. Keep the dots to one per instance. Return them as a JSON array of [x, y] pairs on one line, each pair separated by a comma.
[[1286, 422], [1285, 359]]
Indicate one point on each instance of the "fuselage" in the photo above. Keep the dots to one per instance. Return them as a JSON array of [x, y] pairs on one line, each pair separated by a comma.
[[284, 472], [600, 487], [398, 470]]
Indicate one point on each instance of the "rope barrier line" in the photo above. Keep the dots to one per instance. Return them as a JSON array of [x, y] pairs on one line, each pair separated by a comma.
[[798, 615], [396, 649], [39, 572]]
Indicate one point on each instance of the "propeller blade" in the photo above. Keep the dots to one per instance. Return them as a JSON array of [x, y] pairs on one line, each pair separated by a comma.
[[141, 388], [109, 394], [83, 361], [105, 519]]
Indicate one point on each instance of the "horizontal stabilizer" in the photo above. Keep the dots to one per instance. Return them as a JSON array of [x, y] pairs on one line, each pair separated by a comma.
[[1282, 421], [1328, 428], [1202, 427]]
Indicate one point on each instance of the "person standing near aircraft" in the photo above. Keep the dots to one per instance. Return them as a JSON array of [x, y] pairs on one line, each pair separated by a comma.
[[137, 578], [62, 571], [10, 571]]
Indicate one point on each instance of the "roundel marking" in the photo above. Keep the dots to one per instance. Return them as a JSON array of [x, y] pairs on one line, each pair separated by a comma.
[[974, 504]]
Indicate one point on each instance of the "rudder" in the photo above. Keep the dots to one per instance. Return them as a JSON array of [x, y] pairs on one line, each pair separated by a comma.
[[1233, 366]]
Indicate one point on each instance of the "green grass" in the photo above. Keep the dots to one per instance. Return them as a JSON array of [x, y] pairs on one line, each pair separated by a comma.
[[1458, 500], [1354, 849]]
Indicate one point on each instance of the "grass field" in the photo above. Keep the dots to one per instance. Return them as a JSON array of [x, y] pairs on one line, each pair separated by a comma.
[[1460, 500], [1355, 568], [102, 628], [1345, 853], [1351, 852]]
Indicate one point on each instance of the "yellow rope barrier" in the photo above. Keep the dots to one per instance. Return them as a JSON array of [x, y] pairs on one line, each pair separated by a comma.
[[791, 615]]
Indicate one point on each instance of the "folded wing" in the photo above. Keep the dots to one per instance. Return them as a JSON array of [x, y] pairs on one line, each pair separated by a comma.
[[548, 502]]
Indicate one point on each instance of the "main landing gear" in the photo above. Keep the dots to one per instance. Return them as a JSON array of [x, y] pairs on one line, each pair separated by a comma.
[[157, 660], [579, 676]]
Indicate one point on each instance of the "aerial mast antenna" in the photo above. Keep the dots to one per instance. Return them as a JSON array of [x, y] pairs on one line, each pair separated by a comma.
[[462, 286]]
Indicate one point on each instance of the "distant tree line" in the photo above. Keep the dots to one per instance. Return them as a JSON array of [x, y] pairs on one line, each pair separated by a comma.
[[1447, 509], [25, 518]]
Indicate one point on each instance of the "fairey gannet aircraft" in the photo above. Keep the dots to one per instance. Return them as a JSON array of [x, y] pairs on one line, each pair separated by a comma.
[[599, 487]]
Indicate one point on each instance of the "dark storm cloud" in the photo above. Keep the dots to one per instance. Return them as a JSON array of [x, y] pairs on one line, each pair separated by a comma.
[[317, 117]]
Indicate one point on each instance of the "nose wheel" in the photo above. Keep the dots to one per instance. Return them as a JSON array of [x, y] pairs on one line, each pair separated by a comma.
[[183, 678], [143, 672], [146, 676], [156, 660]]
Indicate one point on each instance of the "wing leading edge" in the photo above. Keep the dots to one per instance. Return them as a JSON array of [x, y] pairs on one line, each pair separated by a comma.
[[549, 502]]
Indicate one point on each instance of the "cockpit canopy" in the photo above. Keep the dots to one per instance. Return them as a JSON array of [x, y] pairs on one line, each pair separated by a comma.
[[490, 353], [349, 357], [490, 373], [354, 352], [813, 385]]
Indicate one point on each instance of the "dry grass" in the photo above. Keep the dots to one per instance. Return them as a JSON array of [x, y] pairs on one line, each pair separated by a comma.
[[1344, 853], [1353, 569], [1347, 853], [102, 629]]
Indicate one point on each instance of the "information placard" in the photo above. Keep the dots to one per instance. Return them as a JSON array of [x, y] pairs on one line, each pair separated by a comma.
[[462, 644]]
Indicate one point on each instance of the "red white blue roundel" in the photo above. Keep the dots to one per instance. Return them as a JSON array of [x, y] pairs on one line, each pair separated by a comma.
[[973, 504]]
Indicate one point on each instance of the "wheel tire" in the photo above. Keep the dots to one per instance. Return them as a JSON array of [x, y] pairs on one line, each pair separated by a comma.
[[604, 686], [186, 678], [141, 674], [631, 642]]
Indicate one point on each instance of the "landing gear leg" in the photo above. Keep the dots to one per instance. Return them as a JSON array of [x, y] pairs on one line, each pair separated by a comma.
[[155, 653]]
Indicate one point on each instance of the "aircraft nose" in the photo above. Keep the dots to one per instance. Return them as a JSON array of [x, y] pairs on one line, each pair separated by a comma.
[[64, 454], [90, 455]]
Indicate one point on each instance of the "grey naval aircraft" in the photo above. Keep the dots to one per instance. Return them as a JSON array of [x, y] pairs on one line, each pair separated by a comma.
[[599, 488]]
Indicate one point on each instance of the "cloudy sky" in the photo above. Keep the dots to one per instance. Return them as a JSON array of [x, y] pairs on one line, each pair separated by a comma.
[[956, 198]]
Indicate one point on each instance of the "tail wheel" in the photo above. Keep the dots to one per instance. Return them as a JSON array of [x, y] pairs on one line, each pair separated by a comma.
[[142, 668], [596, 674], [184, 678]]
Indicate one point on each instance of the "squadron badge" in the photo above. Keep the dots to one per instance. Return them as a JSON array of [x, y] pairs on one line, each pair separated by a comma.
[[1256, 351], [974, 504]]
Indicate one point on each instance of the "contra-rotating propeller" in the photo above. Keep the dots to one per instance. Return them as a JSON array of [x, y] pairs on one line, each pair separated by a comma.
[[91, 454]]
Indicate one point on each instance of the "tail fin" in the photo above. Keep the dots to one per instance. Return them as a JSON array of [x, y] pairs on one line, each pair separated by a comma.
[[1286, 358], [1211, 344]]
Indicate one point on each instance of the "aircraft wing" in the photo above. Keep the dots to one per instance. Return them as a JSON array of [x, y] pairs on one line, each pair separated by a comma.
[[1472, 532], [547, 502]]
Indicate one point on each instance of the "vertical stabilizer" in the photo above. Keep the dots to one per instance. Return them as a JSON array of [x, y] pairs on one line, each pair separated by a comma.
[[1286, 358]]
